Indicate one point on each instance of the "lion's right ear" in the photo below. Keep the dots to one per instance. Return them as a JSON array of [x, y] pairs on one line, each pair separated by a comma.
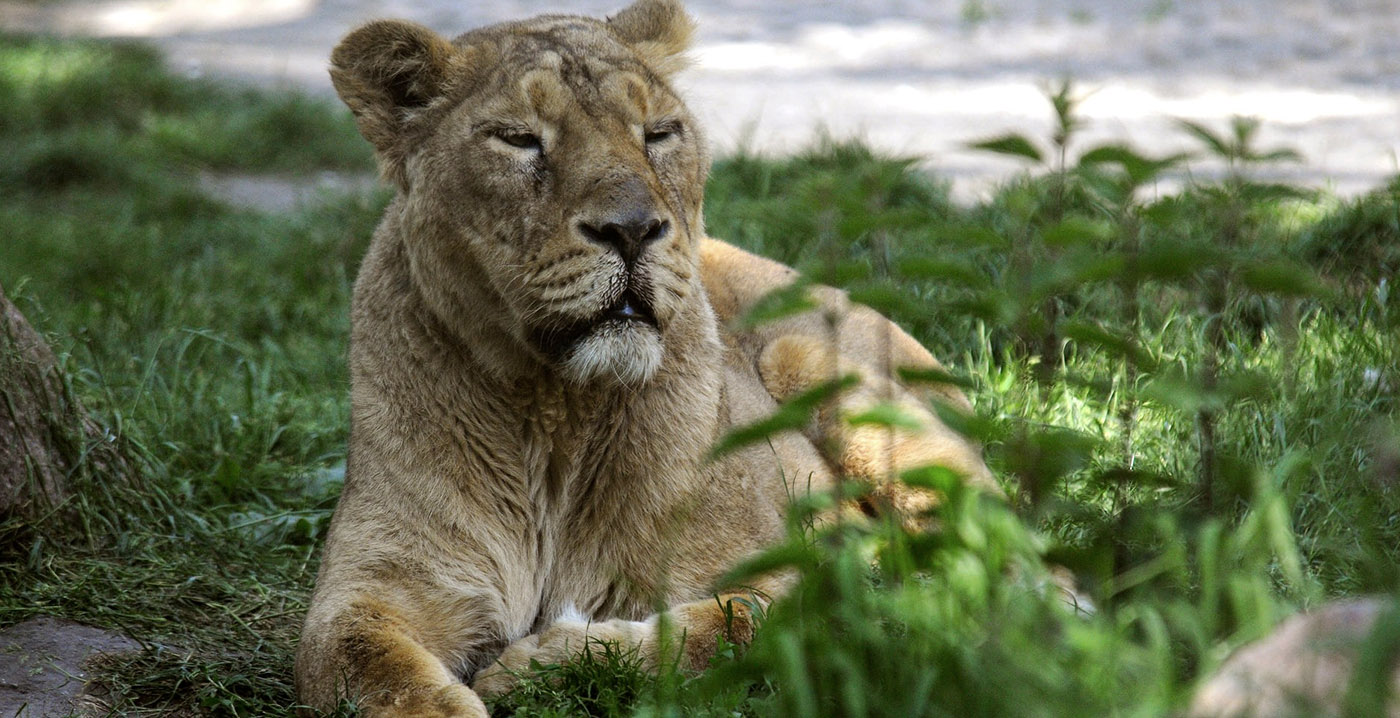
[[658, 30], [385, 71]]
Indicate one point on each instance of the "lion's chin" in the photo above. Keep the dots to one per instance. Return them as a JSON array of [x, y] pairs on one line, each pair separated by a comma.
[[625, 353]]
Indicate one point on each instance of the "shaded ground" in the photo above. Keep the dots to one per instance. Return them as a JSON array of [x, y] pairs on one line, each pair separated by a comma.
[[911, 77]]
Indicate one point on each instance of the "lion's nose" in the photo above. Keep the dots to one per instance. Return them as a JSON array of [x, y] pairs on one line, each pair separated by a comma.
[[628, 234]]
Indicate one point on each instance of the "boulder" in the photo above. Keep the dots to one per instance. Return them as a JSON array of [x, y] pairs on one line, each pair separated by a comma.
[[44, 667], [1305, 667], [46, 437]]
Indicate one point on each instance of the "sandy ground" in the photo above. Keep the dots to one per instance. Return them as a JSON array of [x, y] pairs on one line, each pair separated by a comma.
[[921, 78]]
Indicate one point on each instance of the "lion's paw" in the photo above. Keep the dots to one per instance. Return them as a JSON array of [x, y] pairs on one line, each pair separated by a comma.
[[562, 642], [557, 644]]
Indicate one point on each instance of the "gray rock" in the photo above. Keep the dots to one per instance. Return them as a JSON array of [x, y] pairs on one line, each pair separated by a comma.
[[43, 666], [1301, 670]]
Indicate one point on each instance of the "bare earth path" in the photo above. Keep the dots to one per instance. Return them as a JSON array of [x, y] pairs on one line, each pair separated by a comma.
[[916, 77]]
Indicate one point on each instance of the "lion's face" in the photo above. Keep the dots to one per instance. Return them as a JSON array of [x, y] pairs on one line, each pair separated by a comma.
[[552, 183]]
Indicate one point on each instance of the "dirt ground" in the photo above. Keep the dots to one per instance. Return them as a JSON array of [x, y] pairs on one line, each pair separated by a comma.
[[915, 77]]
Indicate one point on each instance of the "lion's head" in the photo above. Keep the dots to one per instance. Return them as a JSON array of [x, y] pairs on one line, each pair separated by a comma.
[[550, 179]]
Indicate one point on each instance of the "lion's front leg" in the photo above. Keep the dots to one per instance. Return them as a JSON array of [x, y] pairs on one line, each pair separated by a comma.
[[690, 635], [368, 653]]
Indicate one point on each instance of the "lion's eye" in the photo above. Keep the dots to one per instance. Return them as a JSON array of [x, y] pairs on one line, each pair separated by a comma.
[[661, 133], [522, 140]]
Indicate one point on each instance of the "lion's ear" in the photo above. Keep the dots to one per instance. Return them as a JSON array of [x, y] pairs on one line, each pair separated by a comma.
[[385, 71], [658, 30]]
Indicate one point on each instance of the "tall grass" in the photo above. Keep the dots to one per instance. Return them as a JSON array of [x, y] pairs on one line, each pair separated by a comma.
[[1191, 400]]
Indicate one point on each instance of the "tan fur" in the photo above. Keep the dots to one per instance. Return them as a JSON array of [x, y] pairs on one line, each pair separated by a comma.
[[512, 455]]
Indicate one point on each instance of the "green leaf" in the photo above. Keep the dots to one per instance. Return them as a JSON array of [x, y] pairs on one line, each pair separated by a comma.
[[1136, 478], [779, 303], [974, 236], [1115, 344], [885, 414], [792, 415], [786, 555], [950, 270], [1284, 154], [838, 273], [1273, 192], [912, 375], [1012, 144], [1171, 261], [1077, 229], [885, 298], [936, 478], [1282, 277], [992, 306], [1139, 168], [1188, 394], [1217, 145]]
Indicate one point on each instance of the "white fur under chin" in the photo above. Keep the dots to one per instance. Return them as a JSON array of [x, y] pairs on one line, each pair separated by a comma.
[[628, 355], [571, 614]]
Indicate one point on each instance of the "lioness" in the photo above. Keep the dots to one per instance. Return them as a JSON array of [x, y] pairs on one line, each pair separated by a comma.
[[540, 364]]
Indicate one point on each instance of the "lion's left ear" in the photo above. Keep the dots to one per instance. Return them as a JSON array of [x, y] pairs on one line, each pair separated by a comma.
[[658, 30]]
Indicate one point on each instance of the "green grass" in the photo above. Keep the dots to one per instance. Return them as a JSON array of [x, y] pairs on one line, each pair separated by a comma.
[[1098, 331]]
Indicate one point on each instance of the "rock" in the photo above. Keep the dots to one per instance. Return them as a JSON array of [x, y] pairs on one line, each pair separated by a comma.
[[46, 436], [43, 667], [1303, 668]]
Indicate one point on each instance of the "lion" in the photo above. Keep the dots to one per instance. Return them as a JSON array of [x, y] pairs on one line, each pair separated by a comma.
[[542, 357]]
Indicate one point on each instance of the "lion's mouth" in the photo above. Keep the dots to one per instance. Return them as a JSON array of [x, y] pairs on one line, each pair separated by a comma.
[[630, 307]]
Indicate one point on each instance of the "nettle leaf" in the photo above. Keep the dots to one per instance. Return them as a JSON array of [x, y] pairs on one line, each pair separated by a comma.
[[1044, 456], [1077, 229], [1244, 385], [1178, 392], [885, 414], [792, 415], [978, 237], [1273, 192], [779, 303], [935, 478], [1171, 261], [1189, 395], [1123, 476], [861, 221], [913, 375], [1164, 213], [1012, 144], [1280, 155], [1072, 271], [1218, 145], [1282, 277], [1139, 168], [1115, 344], [992, 306], [981, 428], [949, 270], [839, 273], [791, 554], [884, 298]]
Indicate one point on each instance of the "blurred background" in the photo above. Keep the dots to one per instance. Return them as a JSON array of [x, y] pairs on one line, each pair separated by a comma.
[[908, 77]]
